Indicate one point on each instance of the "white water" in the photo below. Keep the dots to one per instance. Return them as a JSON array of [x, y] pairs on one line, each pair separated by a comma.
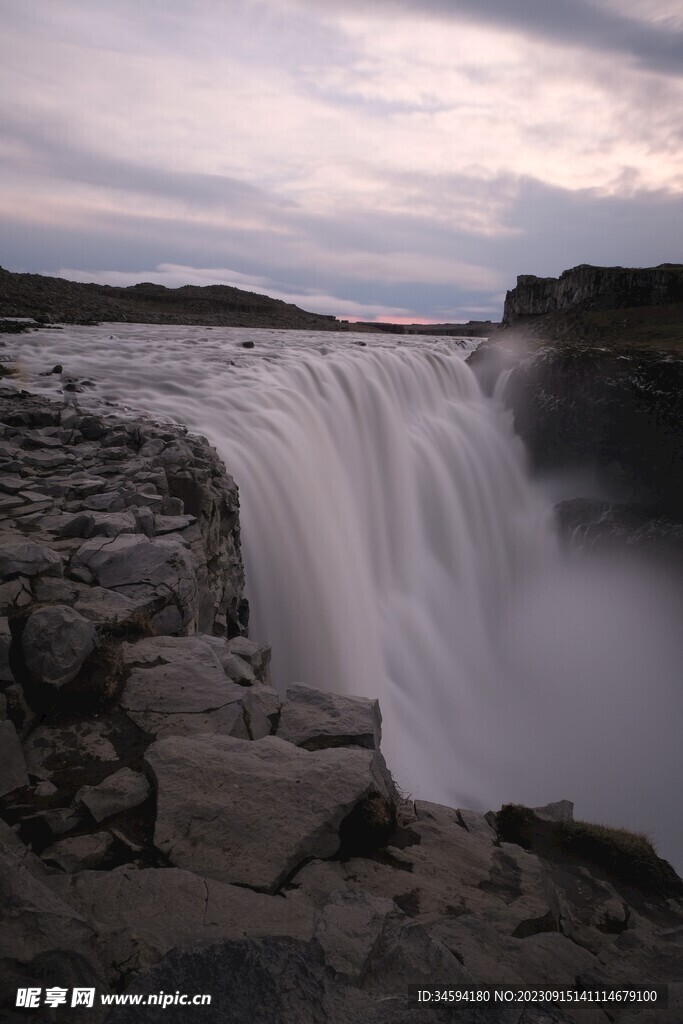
[[395, 547]]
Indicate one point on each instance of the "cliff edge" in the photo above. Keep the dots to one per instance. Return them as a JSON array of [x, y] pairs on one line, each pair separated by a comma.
[[170, 823]]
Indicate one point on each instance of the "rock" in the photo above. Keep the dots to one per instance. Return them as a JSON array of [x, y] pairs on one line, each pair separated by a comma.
[[132, 563], [277, 980], [13, 773], [79, 853], [56, 642], [19, 557], [561, 810], [314, 719], [45, 789], [42, 940], [250, 813], [141, 915], [6, 675], [76, 743], [349, 927], [118, 792], [43, 828], [607, 286], [176, 685], [256, 654], [98, 524]]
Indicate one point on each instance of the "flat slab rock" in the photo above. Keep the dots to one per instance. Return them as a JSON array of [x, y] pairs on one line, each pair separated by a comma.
[[315, 719], [142, 914], [178, 686], [250, 813]]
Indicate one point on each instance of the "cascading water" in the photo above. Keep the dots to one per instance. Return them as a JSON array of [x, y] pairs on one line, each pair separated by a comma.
[[396, 547]]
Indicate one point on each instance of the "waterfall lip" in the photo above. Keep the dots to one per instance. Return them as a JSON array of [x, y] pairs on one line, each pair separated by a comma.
[[395, 546]]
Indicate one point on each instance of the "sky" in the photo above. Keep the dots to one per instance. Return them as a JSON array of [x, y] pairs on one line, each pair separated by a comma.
[[375, 159]]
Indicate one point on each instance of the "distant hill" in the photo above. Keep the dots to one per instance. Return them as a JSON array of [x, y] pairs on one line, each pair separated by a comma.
[[53, 299]]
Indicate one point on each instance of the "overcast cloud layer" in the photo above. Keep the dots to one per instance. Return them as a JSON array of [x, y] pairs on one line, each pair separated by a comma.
[[400, 159]]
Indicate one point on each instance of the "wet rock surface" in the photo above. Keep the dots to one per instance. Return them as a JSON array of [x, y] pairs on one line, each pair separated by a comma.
[[168, 821]]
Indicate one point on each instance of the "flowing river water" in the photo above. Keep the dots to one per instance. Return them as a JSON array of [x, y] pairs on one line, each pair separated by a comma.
[[396, 547]]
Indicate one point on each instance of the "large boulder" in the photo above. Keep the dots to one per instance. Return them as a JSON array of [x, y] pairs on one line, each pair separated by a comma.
[[250, 813], [56, 642]]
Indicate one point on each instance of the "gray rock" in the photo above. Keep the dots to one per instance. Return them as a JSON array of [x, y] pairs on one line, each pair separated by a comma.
[[41, 935], [349, 927], [15, 594], [80, 852], [107, 501], [56, 642], [81, 743], [47, 459], [13, 773], [169, 524], [98, 524], [132, 561], [176, 685], [46, 826], [142, 914], [278, 980], [20, 557], [256, 654], [561, 810], [45, 789], [314, 719], [250, 813], [118, 792], [268, 700], [6, 675]]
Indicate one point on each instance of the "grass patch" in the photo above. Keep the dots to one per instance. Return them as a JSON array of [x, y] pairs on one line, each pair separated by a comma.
[[629, 856], [624, 856]]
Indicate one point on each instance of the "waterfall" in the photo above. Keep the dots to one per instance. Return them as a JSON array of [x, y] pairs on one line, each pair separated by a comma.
[[396, 547]]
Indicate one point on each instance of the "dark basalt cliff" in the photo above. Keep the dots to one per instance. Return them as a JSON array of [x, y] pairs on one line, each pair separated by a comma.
[[595, 288], [596, 384], [170, 823]]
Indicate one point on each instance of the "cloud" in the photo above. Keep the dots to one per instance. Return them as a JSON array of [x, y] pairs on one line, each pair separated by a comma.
[[173, 276], [656, 44], [400, 156]]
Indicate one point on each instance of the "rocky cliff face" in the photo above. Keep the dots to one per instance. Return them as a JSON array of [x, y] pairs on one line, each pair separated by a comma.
[[169, 822], [594, 287]]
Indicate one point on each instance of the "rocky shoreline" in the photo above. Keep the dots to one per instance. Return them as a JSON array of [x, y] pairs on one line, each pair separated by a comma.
[[168, 821]]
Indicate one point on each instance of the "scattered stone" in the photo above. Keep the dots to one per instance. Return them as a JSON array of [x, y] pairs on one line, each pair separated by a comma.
[[56, 642], [13, 773], [119, 792]]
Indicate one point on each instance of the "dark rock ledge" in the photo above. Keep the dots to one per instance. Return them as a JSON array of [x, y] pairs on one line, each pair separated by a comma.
[[169, 822]]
